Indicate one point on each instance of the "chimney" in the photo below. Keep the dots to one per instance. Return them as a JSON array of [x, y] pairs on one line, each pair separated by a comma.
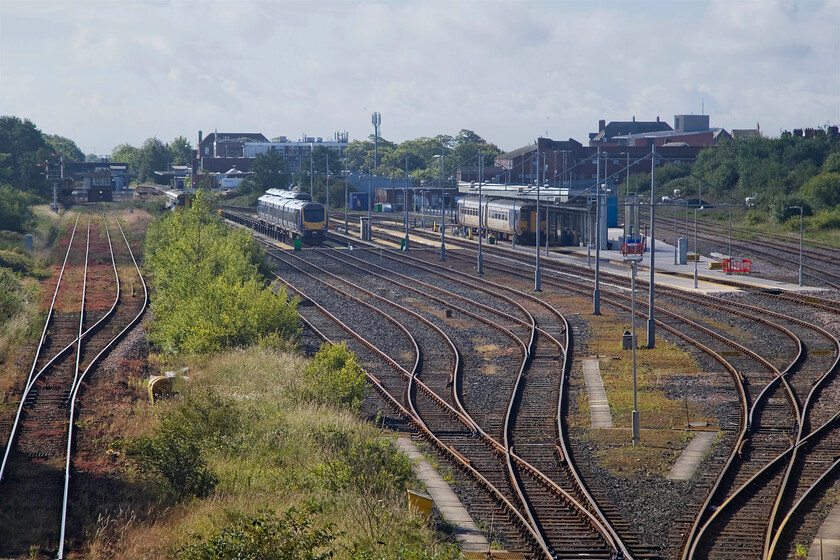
[[200, 137], [634, 118], [602, 124], [657, 118], [216, 141]]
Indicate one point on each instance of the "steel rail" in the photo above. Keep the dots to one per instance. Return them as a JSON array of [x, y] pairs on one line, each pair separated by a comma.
[[413, 417], [30, 381], [602, 524], [94, 361]]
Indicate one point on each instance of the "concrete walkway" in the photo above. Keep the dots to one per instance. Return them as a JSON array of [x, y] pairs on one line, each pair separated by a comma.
[[828, 538], [599, 408], [467, 532], [691, 456]]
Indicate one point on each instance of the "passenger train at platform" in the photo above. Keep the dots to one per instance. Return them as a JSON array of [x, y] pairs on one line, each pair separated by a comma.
[[288, 214], [503, 218]]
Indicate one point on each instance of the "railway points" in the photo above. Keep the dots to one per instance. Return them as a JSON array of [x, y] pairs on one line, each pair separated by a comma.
[[753, 349]]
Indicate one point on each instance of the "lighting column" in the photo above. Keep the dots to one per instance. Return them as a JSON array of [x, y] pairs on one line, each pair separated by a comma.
[[369, 234], [730, 241], [346, 198], [696, 256], [442, 208], [537, 283], [596, 295], [651, 324], [635, 386], [801, 215], [480, 263], [405, 202]]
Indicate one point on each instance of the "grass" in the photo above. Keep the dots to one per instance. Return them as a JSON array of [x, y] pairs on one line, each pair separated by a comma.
[[663, 419], [274, 462]]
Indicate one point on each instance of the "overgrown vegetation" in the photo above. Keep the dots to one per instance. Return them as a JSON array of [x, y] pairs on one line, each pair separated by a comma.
[[289, 471], [211, 285], [335, 377]]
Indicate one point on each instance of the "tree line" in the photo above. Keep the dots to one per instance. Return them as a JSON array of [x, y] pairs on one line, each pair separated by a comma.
[[777, 173]]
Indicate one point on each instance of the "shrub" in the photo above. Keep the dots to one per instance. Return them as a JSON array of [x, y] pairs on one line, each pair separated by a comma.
[[335, 376], [10, 294], [211, 286], [291, 536], [175, 453], [375, 472]]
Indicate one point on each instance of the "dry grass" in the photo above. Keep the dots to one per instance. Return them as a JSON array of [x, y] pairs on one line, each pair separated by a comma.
[[274, 466]]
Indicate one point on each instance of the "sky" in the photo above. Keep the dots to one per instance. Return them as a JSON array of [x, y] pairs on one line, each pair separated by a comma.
[[111, 72]]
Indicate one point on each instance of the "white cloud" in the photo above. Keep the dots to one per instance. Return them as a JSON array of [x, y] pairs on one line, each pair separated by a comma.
[[103, 73]]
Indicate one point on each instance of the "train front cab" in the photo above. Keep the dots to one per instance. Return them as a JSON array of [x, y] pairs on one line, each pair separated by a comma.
[[528, 223], [313, 224]]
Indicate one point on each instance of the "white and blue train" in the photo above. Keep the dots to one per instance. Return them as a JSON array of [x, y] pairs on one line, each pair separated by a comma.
[[293, 214]]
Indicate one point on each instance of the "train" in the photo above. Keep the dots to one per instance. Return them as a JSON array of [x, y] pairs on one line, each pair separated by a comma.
[[293, 215], [177, 199], [503, 218]]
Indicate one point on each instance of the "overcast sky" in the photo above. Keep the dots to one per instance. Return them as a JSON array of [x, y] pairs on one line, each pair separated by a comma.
[[106, 73]]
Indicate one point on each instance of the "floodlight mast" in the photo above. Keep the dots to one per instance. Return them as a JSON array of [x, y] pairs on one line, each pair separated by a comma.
[[651, 323]]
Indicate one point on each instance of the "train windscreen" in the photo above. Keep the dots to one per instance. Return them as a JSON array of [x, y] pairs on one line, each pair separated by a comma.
[[313, 214]]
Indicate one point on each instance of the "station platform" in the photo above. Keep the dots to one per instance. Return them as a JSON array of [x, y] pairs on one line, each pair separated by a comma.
[[666, 272]]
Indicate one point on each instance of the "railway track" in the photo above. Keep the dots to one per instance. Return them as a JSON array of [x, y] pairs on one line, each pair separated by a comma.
[[91, 309], [780, 463], [783, 440], [541, 500], [819, 264]]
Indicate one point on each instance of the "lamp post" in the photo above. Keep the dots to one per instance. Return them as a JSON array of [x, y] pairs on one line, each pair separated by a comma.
[[480, 262], [651, 324], [442, 208], [405, 202], [537, 282], [677, 203], [801, 215], [696, 256], [596, 294], [346, 198], [368, 235], [633, 264]]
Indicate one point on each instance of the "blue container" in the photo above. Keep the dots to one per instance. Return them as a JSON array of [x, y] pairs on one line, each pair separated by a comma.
[[359, 201]]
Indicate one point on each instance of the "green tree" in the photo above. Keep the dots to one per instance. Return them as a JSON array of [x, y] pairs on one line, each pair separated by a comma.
[[269, 172], [211, 287], [26, 150], [174, 455], [15, 213], [64, 146], [126, 153], [823, 191], [831, 163], [153, 156], [180, 151]]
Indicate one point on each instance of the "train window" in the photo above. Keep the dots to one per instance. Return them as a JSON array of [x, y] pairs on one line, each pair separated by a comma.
[[313, 214]]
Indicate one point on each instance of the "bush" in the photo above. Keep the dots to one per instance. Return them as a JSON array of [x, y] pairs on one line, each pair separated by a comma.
[[175, 454], [291, 536], [335, 376], [10, 294], [211, 286], [375, 472]]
